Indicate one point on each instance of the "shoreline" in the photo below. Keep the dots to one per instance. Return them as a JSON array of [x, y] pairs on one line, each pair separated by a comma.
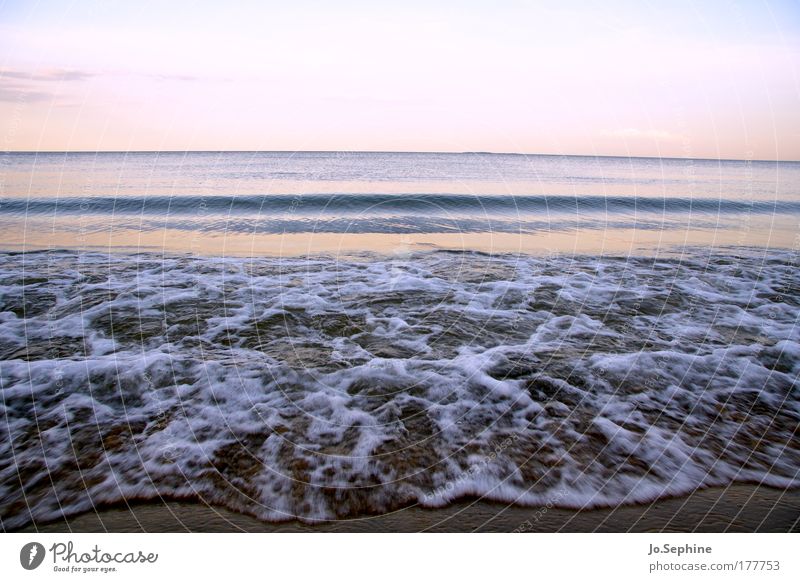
[[768, 233], [737, 508], [331, 249]]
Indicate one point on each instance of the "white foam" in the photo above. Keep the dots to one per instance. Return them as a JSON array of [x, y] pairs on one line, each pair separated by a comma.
[[321, 388]]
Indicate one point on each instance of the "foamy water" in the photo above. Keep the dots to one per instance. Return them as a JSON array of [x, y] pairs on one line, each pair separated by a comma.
[[328, 387], [248, 203]]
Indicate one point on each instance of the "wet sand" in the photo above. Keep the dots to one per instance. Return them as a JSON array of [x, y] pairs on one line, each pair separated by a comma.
[[740, 508], [770, 232]]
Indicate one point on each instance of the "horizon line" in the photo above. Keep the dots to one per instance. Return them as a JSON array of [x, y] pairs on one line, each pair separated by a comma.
[[175, 151]]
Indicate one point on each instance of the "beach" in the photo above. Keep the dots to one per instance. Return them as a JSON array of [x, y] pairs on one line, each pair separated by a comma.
[[400, 268], [390, 335], [740, 508], [319, 388]]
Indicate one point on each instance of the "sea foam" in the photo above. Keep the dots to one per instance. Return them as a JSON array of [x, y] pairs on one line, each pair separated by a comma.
[[327, 387]]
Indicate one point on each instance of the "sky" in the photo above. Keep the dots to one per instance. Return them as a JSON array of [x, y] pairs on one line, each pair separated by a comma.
[[703, 79]]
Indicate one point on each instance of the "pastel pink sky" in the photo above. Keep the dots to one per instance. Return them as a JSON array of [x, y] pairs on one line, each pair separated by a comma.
[[677, 79]]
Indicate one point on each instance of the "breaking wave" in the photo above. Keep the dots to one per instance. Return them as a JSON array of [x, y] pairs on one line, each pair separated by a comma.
[[328, 387]]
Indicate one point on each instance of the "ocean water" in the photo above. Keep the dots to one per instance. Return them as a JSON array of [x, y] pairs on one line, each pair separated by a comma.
[[253, 203], [577, 364]]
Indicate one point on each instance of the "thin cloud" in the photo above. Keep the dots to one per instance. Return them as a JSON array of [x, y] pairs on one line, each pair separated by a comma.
[[61, 75], [47, 75], [27, 86], [16, 93], [24, 86]]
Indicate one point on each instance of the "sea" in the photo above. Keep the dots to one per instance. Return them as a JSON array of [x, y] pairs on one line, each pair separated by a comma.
[[326, 335]]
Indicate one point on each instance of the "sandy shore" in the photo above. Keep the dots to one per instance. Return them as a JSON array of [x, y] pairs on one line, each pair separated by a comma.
[[741, 508]]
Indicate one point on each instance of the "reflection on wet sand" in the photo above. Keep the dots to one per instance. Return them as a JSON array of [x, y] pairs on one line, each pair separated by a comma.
[[84, 234]]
